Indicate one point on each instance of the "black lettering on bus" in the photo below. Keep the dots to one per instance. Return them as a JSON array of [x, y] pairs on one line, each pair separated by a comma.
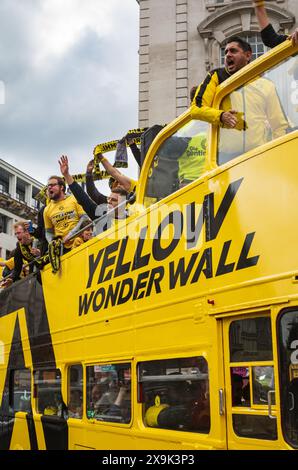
[[139, 260], [125, 296], [85, 302], [176, 219], [99, 293], [180, 271], [156, 277], [92, 266], [108, 261], [193, 228], [112, 294], [223, 268], [244, 261], [205, 266], [140, 284], [122, 268], [214, 222]]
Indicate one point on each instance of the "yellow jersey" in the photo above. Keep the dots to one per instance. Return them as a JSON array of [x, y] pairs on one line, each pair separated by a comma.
[[62, 217]]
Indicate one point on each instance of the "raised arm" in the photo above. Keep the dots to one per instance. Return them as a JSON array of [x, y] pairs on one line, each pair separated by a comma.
[[135, 151], [83, 199], [91, 189], [261, 13], [64, 168], [269, 36], [123, 180]]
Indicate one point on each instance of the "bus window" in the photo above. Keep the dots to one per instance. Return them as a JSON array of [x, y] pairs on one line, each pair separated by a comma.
[[75, 391], [179, 160], [47, 390], [266, 109], [252, 378], [175, 394], [288, 360], [109, 392], [240, 386], [250, 340], [21, 390], [262, 383]]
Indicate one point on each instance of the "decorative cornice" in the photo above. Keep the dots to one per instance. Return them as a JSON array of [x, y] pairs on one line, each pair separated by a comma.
[[205, 28]]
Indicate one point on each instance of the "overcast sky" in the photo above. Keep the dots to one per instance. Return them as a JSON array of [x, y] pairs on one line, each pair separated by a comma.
[[69, 72]]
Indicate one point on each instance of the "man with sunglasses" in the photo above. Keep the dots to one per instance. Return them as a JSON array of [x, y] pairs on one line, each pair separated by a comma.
[[63, 215]]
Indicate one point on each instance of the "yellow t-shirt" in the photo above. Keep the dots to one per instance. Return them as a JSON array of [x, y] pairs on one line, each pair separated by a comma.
[[62, 217]]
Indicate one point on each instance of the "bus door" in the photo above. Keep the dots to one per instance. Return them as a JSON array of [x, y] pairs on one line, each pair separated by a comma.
[[287, 345], [252, 415]]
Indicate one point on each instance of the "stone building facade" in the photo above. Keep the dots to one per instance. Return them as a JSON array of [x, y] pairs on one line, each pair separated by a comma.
[[17, 203], [180, 40]]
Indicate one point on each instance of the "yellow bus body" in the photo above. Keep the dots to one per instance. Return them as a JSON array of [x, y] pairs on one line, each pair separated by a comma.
[[153, 289]]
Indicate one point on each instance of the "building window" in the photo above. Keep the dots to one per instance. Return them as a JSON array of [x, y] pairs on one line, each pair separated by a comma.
[[212, 3], [21, 190], [256, 43], [4, 181], [4, 223], [34, 202]]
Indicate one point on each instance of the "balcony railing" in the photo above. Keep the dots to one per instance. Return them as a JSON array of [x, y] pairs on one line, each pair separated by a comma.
[[19, 208], [4, 190]]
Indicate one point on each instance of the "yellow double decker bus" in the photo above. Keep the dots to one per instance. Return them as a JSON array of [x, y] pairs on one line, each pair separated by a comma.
[[177, 329]]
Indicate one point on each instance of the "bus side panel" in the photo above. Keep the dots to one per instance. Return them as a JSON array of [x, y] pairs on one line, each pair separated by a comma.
[[26, 298]]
